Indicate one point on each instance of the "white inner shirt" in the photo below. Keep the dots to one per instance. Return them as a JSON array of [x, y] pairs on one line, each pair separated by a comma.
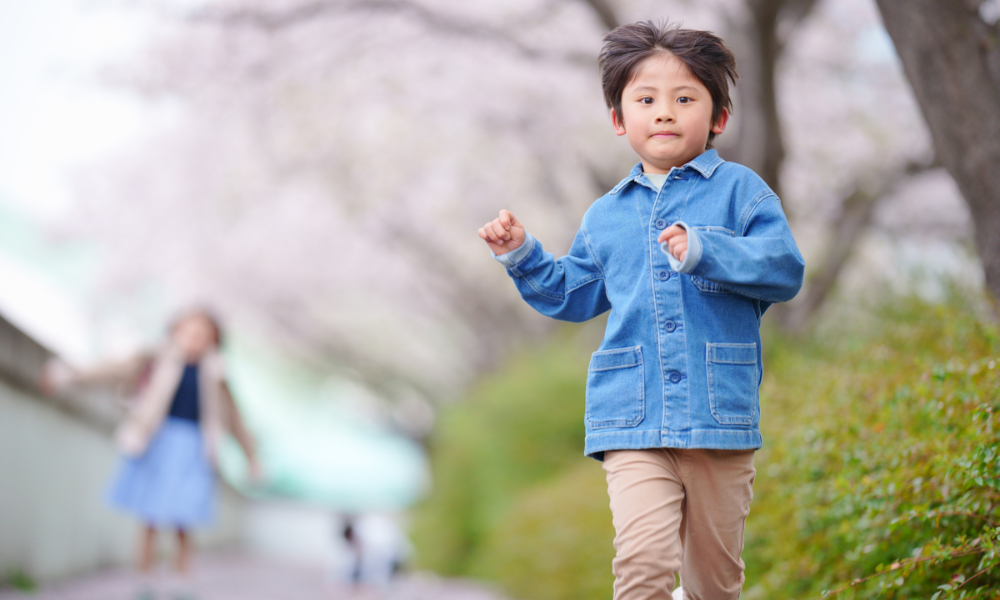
[[657, 179]]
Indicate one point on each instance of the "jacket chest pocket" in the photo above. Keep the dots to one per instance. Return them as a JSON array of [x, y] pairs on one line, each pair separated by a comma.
[[615, 388], [709, 287], [733, 380]]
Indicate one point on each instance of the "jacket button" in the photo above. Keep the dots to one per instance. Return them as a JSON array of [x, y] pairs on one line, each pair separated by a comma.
[[663, 275], [674, 377], [670, 326], [661, 223]]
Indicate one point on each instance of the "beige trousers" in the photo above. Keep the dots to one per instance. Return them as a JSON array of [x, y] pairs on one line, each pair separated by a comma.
[[679, 512]]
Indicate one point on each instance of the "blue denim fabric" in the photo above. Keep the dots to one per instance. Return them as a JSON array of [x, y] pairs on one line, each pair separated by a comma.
[[680, 364]]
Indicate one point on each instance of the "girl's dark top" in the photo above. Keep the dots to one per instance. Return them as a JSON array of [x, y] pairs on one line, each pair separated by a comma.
[[185, 404]]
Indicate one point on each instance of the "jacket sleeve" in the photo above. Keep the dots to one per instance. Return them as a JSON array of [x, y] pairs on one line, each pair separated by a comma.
[[571, 288], [760, 261]]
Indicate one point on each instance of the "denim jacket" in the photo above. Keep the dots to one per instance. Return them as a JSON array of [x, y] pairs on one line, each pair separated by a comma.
[[680, 363]]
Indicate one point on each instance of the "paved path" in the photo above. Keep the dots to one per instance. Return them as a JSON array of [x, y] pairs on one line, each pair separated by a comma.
[[236, 577]]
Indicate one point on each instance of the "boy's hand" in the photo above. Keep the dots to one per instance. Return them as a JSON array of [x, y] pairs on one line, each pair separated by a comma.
[[677, 240], [503, 234]]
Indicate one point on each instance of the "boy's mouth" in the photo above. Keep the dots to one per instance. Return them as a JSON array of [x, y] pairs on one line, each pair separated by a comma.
[[665, 134]]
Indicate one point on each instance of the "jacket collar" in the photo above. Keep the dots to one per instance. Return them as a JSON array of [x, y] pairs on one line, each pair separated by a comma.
[[706, 163]]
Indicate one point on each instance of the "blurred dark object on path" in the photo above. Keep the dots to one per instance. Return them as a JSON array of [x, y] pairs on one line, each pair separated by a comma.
[[376, 551]]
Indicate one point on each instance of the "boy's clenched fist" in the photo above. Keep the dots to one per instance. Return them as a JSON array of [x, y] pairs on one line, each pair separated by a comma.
[[503, 234]]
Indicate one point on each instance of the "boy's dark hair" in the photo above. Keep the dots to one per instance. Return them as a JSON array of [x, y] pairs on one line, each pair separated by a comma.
[[703, 52]]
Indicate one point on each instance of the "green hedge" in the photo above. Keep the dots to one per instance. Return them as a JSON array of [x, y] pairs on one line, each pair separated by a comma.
[[879, 462], [519, 430]]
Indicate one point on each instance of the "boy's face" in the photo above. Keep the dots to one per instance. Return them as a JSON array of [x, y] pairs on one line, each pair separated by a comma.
[[666, 114]]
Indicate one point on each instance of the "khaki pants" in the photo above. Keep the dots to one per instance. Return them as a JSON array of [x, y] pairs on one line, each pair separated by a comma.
[[679, 512]]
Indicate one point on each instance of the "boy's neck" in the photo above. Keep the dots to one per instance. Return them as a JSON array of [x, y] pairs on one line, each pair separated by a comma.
[[653, 170], [660, 170], [650, 168]]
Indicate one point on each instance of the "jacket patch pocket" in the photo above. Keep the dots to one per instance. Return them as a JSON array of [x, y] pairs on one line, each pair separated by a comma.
[[733, 380], [615, 388]]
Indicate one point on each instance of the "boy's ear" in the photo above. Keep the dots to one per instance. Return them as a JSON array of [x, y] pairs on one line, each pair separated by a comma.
[[720, 124], [619, 125]]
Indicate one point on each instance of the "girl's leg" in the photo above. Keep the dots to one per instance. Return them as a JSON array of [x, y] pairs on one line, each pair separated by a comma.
[[183, 551], [147, 549], [182, 582]]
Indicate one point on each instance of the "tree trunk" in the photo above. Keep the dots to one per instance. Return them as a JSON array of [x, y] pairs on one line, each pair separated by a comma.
[[759, 146], [765, 15], [605, 13], [952, 60], [854, 220], [759, 48]]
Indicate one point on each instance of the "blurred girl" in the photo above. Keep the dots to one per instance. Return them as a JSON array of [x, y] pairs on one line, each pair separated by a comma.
[[180, 408]]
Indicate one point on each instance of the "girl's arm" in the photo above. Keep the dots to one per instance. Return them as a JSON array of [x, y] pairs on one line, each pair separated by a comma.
[[122, 375], [236, 426]]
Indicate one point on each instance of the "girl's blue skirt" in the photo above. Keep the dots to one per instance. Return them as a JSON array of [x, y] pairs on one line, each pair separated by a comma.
[[172, 484]]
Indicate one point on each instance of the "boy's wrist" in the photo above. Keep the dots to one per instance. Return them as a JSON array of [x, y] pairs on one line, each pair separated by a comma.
[[509, 259], [694, 251]]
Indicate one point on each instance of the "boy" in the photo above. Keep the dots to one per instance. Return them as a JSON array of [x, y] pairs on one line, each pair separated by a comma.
[[687, 252]]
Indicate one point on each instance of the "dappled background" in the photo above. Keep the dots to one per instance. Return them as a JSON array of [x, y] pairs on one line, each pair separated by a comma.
[[317, 170]]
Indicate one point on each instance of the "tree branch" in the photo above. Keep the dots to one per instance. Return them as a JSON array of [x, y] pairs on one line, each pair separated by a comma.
[[855, 218], [277, 20]]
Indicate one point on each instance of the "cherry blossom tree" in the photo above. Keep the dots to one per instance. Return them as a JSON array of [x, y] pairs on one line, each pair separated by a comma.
[[331, 161]]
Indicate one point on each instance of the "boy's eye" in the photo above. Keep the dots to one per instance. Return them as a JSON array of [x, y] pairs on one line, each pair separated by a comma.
[[683, 100], [646, 100]]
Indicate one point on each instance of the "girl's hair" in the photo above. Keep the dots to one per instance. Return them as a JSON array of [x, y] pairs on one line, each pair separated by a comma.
[[200, 312], [703, 52]]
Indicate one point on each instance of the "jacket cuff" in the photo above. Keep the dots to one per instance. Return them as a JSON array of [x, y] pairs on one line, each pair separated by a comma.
[[515, 256], [694, 251]]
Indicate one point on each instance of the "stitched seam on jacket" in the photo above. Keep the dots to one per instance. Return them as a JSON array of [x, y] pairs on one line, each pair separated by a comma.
[[745, 218], [590, 251], [541, 291]]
